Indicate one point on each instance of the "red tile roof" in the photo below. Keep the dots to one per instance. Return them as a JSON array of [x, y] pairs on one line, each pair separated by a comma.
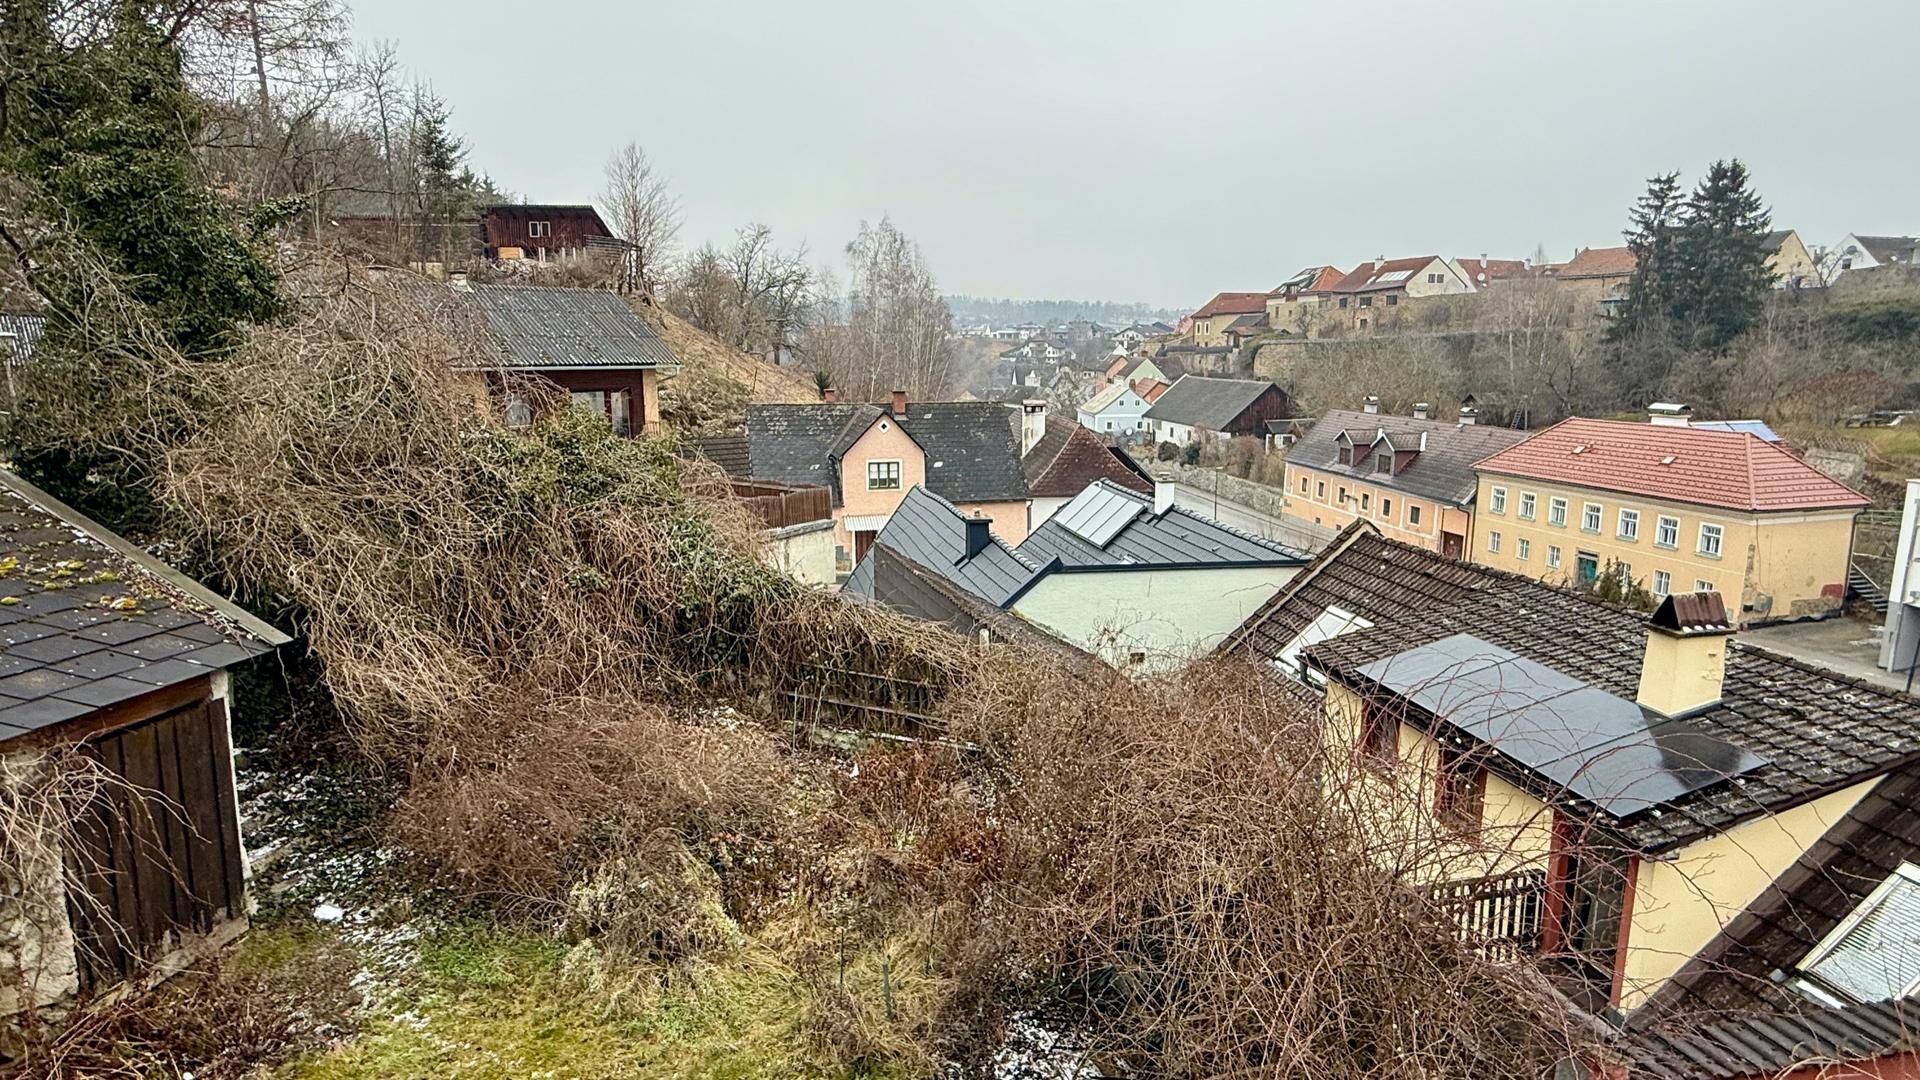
[[1150, 389], [1234, 303], [1728, 469], [1367, 275], [1599, 262], [1119, 364], [1494, 270], [1314, 279]]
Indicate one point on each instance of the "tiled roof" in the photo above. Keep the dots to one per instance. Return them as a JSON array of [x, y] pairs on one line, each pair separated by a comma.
[[1776, 1043], [1818, 730], [1234, 303], [1210, 404], [1599, 262], [87, 620], [1443, 471], [928, 530], [1314, 279], [1481, 272], [1150, 389], [1175, 538], [537, 328], [1068, 457], [1368, 275], [727, 451], [1727, 469], [972, 447]]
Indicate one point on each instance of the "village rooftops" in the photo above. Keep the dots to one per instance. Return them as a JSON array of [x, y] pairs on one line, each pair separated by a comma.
[[1109, 527], [88, 620], [1813, 731], [1598, 263], [1726, 469], [1234, 303], [1068, 457], [1436, 459], [933, 534], [1482, 271], [972, 447], [1205, 403], [538, 328], [1890, 249], [1382, 274], [1311, 281]]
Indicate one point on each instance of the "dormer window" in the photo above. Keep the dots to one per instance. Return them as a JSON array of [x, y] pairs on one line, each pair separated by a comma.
[[1383, 463], [1346, 454]]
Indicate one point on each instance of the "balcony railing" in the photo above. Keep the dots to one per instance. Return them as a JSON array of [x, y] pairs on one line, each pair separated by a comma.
[[1500, 915]]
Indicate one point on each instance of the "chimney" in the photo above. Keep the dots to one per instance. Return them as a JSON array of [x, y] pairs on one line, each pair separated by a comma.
[[1163, 496], [1372, 404], [1469, 416], [1379, 261], [1483, 260], [457, 281], [899, 403], [1422, 410], [1033, 423], [1686, 658], [1669, 414], [829, 395], [979, 535]]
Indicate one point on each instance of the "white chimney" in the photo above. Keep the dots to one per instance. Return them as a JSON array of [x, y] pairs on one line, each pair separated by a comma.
[[1483, 260], [1421, 410], [1372, 404], [1669, 414], [1469, 416], [1033, 423], [457, 281], [1379, 261], [1163, 496]]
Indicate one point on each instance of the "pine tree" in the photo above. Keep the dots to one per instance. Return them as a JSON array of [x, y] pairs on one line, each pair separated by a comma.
[[1655, 221], [1724, 273], [445, 184]]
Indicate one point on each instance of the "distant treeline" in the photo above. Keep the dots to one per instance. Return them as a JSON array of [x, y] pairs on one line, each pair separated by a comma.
[[975, 309]]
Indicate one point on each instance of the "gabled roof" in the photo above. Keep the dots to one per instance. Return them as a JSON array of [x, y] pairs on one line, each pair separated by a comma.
[[1777, 1043], [88, 620], [1211, 404], [1818, 730], [1313, 279], [1390, 274], [1771, 242], [932, 533], [540, 328], [1147, 540], [1068, 457], [1096, 404], [1234, 303], [1480, 272], [1889, 249], [1599, 263], [1726, 469], [1150, 389], [972, 447], [1443, 471]]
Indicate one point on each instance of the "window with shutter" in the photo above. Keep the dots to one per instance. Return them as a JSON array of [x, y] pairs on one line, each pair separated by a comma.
[[1874, 954]]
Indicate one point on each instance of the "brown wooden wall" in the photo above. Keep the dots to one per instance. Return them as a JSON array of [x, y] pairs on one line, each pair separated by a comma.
[[164, 861], [1272, 404], [572, 227]]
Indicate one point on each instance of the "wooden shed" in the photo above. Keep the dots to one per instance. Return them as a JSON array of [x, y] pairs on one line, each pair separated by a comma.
[[113, 667]]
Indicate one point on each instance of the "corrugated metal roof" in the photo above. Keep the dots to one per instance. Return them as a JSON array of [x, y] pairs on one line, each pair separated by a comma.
[[538, 328], [21, 332]]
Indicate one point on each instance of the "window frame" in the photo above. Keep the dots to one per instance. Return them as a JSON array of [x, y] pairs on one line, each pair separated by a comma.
[[1661, 584], [1621, 517], [1459, 788], [1663, 523], [1377, 743], [1719, 540], [1529, 505], [1595, 512], [1557, 511], [1493, 541], [1553, 556], [1413, 514], [1497, 500], [898, 475], [1522, 548], [539, 230]]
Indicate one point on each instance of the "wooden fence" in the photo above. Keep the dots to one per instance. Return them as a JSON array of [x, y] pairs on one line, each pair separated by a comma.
[[778, 505], [1500, 915]]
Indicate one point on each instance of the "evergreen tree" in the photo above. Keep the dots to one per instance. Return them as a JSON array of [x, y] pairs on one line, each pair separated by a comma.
[[446, 185], [1655, 221], [1720, 248]]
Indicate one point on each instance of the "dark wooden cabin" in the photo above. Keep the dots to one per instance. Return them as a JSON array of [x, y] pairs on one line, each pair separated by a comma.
[[541, 231]]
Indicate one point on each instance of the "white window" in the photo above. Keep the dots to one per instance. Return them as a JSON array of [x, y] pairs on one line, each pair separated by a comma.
[[1331, 624], [1704, 586], [1666, 533], [1625, 572], [1493, 541], [1522, 548], [1553, 557], [1527, 503], [1662, 583], [883, 476], [1710, 537], [1629, 524], [1590, 518], [1499, 505], [1556, 511], [539, 228], [1870, 955]]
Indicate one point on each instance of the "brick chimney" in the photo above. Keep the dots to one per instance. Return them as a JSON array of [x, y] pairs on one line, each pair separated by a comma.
[[829, 395], [1371, 404], [1686, 658], [899, 403], [1033, 423]]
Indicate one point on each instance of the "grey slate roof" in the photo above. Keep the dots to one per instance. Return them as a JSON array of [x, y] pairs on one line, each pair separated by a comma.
[[928, 530], [88, 620], [539, 328], [1176, 538], [25, 330], [1890, 249], [972, 447], [727, 451], [1443, 471], [1201, 402]]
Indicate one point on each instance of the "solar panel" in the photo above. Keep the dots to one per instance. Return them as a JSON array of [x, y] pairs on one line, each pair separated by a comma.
[[1098, 513], [1600, 747]]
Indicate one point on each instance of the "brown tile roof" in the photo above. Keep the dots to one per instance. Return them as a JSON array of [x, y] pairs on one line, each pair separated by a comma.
[[1366, 277], [1599, 263], [1234, 303], [1150, 389], [1314, 279], [1493, 270], [1069, 457], [1728, 469]]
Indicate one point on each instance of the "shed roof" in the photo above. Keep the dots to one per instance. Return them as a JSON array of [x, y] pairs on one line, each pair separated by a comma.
[[1210, 404], [88, 620]]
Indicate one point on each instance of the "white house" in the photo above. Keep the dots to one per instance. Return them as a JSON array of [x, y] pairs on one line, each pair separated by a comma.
[[1857, 252]]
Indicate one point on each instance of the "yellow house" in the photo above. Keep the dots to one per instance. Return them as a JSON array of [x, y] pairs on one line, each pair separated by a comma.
[[1409, 477], [870, 456], [1616, 794], [1792, 264], [1672, 508], [1211, 321]]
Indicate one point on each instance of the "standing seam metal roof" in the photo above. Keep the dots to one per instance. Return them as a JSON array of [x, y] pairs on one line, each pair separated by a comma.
[[1176, 538]]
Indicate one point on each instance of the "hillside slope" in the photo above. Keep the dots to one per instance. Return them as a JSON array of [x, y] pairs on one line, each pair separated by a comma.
[[716, 381]]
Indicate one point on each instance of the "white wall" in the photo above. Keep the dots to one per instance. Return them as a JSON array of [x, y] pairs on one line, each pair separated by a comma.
[[1042, 509], [806, 552], [1177, 434], [1167, 616]]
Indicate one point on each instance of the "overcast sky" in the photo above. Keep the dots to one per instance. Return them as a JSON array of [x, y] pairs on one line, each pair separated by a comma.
[[1163, 151]]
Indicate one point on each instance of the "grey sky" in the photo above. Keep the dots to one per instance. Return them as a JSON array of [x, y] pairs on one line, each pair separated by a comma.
[[1132, 150]]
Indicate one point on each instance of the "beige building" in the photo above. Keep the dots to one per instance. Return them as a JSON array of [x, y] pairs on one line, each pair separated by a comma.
[[1670, 508], [1294, 306], [1411, 477], [1209, 324], [1598, 276], [1662, 814], [1380, 295], [1792, 264]]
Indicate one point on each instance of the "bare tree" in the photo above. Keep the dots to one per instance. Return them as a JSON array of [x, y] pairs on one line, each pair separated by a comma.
[[897, 333], [644, 213], [753, 295]]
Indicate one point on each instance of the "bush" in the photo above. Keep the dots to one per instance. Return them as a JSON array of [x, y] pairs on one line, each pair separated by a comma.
[[1166, 451]]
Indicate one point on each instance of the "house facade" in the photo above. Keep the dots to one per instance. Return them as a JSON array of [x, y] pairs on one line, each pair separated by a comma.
[[1293, 306], [1198, 407], [1792, 264], [1673, 509], [1120, 410], [1856, 251], [1373, 295], [1410, 477], [1598, 276], [1209, 324], [542, 232]]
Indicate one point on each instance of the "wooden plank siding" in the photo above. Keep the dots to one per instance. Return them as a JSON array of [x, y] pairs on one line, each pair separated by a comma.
[[161, 855]]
